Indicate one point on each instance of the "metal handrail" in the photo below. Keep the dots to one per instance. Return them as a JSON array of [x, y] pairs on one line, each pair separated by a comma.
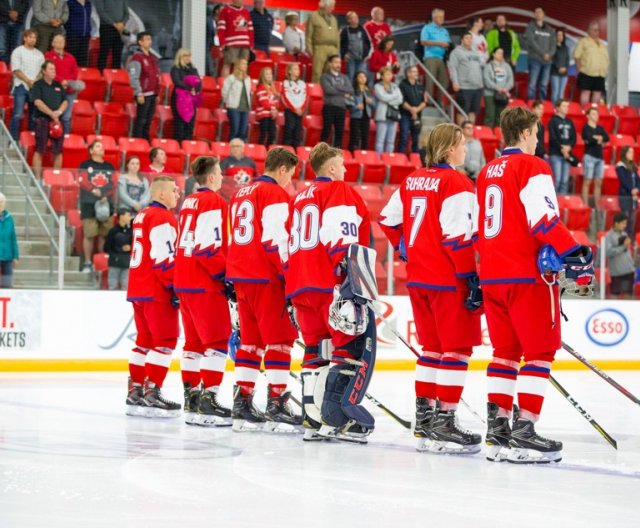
[[408, 58]]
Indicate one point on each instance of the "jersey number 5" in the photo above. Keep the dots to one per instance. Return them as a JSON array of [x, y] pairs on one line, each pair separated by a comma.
[[136, 249]]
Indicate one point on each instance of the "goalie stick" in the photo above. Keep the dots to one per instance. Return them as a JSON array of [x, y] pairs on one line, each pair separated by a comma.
[[584, 413]]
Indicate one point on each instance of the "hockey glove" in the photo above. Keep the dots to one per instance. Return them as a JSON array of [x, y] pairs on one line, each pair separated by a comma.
[[230, 292], [578, 273], [473, 301], [175, 301], [402, 250], [292, 315]]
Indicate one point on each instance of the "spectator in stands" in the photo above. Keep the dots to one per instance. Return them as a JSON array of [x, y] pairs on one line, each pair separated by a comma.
[[9, 254], [26, 64], [295, 99], [133, 188], [338, 94], [465, 69], [560, 67], [96, 186], [118, 246], [384, 56], [78, 29], [236, 34], [488, 25], [360, 113], [262, 26], [502, 36], [354, 45], [475, 26], [540, 39], [47, 96], [48, 19], [377, 28], [144, 75], [498, 83], [212, 40], [322, 39], [592, 62], [411, 110], [538, 109], [267, 99], [436, 41], [474, 157], [562, 138], [236, 94], [157, 163], [113, 14], [66, 75], [238, 166], [594, 137], [629, 189], [621, 267], [186, 96], [12, 13], [292, 36], [389, 98]]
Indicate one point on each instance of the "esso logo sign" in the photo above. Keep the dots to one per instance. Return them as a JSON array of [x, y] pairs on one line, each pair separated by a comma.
[[607, 327]]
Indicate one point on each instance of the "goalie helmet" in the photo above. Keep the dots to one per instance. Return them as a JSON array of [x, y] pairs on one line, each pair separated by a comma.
[[346, 315]]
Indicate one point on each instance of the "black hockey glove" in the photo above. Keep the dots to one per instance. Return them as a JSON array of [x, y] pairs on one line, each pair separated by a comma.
[[230, 292], [474, 299], [175, 301]]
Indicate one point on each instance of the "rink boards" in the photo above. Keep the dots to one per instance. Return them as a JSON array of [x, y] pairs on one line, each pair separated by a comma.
[[94, 330]]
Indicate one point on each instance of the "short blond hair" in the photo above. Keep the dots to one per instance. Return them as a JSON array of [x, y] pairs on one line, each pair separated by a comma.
[[321, 154], [178, 62], [441, 139]]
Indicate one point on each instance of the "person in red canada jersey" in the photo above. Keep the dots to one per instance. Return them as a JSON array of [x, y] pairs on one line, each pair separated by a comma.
[[150, 290], [518, 215], [324, 220], [258, 242], [430, 219], [199, 283]]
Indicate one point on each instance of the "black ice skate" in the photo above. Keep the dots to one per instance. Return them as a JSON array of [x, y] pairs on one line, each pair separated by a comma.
[[528, 447], [350, 432], [211, 411], [156, 405], [424, 417], [246, 416], [498, 434], [191, 396], [135, 405], [280, 417], [446, 436]]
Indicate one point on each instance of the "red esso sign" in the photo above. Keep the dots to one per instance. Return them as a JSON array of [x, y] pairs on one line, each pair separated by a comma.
[[607, 327]]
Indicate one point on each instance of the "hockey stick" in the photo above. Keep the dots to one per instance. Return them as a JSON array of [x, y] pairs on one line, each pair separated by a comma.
[[406, 343], [600, 373], [404, 423], [584, 413]]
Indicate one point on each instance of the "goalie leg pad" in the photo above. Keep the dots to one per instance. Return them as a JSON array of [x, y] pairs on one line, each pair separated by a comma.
[[361, 262]]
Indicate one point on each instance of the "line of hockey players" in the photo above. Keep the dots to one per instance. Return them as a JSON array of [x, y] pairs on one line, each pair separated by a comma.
[[300, 267]]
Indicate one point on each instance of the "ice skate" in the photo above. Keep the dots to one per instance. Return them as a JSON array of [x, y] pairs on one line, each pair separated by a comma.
[[528, 447], [311, 428], [350, 432], [246, 416], [424, 417], [446, 436], [191, 396], [211, 412], [156, 405], [280, 417], [135, 405], [498, 435]]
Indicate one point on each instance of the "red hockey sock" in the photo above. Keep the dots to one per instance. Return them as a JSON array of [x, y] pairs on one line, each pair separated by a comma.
[[533, 381], [452, 372], [501, 384], [157, 364], [277, 364], [212, 367], [137, 359], [190, 367], [248, 359], [426, 373]]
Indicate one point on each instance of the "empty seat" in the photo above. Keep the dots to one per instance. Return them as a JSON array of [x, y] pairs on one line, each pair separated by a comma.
[[113, 121], [373, 169], [609, 206], [95, 85], [74, 151], [372, 196], [206, 125], [399, 166], [118, 85], [573, 212], [63, 189], [83, 118], [192, 149]]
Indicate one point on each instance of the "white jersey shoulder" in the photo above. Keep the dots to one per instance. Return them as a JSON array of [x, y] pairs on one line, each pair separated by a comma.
[[341, 222], [274, 230], [163, 242], [457, 216], [540, 201], [209, 229], [392, 212]]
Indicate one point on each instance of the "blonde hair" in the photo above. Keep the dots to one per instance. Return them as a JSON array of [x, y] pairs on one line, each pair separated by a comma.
[[263, 74], [321, 154], [441, 139], [384, 70], [237, 73], [289, 69], [178, 62]]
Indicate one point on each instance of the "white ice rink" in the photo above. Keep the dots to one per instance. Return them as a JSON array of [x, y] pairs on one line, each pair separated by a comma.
[[69, 457]]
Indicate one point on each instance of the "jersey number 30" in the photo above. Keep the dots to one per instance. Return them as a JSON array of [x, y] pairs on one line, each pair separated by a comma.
[[305, 229]]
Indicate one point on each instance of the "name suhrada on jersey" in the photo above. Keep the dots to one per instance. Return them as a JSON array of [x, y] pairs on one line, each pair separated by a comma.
[[13, 339]]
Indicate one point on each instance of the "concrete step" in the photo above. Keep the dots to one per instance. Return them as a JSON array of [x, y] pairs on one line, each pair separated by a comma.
[[41, 263], [34, 233], [41, 279], [22, 219], [20, 205], [38, 247], [12, 189]]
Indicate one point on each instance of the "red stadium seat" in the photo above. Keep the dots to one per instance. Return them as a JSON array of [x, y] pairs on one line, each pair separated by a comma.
[[175, 156], [119, 86], [193, 149], [206, 126], [516, 102], [164, 116], [221, 116], [582, 239], [135, 147], [95, 85], [222, 149], [211, 93], [374, 170], [101, 269], [74, 151], [313, 126], [6, 77], [573, 212], [400, 278], [399, 166], [381, 278], [380, 241], [488, 139], [608, 206], [303, 157], [74, 221], [63, 189], [617, 141], [111, 150], [166, 88], [372, 196], [83, 118], [610, 182], [628, 119], [257, 65], [6, 107], [113, 121]]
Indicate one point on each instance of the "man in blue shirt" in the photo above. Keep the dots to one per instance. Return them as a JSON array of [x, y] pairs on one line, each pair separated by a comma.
[[436, 41], [262, 26]]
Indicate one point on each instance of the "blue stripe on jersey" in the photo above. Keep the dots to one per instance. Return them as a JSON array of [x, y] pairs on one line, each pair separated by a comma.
[[139, 299], [189, 290], [266, 179], [277, 364], [253, 281], [247, 363], [309, 289], [465, 275], [449, 363], [163, 266], [544, 227], [431, 286], [506, 371], [515, 280], [533, 368], [427, 361], [511, 150]]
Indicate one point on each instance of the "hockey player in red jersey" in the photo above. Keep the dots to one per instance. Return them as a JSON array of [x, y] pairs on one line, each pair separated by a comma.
[[430, 220], [519, 216], [259, 212], [150, 289], [324, 220], [199, 283]]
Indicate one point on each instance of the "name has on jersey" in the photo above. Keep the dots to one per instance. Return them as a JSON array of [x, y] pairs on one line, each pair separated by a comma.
[[607, 327]]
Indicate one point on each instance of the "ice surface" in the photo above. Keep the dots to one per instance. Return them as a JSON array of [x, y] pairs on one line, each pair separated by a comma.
[[69, 457]]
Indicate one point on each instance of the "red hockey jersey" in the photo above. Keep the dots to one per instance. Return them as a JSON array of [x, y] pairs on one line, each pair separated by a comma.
[[434, 210], [235, 27], [258, 235], [518, 213], [202, 243], [324, 220], [152, 254], [266, 100]]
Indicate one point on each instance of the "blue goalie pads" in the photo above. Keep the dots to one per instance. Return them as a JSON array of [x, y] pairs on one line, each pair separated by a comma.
[[234, 344]]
